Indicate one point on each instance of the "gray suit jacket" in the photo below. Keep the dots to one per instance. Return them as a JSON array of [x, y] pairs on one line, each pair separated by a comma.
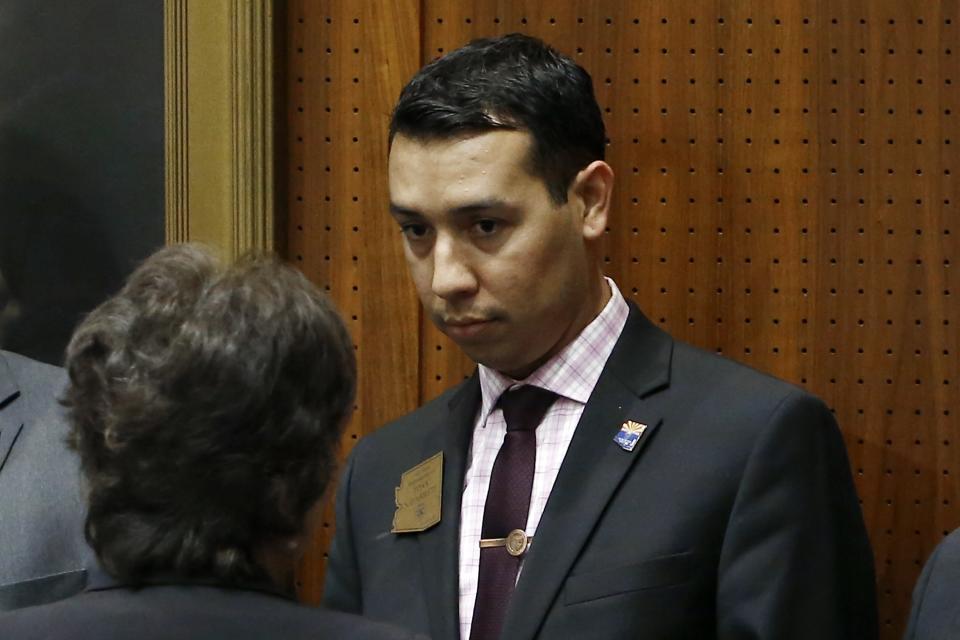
[[936, 598], [42, 550], [734, 517]]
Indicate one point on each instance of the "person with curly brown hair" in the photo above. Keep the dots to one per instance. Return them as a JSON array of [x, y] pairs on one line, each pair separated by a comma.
[[206, 405]]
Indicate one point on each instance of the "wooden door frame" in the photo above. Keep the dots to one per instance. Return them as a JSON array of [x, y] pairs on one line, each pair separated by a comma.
[[219, 123]]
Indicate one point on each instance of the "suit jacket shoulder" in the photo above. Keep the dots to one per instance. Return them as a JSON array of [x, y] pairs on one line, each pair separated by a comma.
[[935, 614], [749, 399], [186, 611], [710, 371], [414, 425], [358, 581], [719, 397], [42, 552], [379, 459], [31, 375]]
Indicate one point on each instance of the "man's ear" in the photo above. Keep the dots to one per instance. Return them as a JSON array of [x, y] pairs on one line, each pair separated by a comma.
[[594, 187]]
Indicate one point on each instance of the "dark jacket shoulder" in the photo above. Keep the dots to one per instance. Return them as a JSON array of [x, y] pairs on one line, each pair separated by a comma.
[[409, 428], [186, 611], [735, 388]]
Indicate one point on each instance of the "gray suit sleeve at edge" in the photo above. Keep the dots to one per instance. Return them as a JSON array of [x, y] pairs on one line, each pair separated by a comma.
[[919, 591], [796, 561], [342, 583]]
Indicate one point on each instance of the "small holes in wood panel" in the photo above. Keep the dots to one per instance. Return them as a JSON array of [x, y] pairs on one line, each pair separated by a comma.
[[330, 153]]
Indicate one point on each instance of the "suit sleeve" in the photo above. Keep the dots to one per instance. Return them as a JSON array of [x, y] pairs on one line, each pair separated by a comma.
[[935, 611], [796, 562], [341, 590]]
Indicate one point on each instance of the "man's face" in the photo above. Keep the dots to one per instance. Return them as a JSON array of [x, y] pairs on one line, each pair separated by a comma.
[[501, 269]]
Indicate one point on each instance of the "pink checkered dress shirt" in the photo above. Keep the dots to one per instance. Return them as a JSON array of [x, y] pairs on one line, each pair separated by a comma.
[[572, 375]]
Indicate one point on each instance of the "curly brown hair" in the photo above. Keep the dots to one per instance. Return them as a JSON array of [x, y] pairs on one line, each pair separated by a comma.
[[206, 404]]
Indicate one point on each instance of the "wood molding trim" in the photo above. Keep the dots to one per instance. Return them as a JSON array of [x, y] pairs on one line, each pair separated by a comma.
[[219, 124], [252, 90], [175, 120]]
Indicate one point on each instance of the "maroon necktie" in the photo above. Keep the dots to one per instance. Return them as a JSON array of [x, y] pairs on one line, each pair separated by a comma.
[[505, 511]]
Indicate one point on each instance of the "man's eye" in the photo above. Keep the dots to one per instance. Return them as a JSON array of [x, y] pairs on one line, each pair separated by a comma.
[[486, 227], [413, 231]]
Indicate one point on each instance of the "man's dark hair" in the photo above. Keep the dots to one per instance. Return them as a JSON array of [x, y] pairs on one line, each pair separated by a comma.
[[206, 404], [513, 82]]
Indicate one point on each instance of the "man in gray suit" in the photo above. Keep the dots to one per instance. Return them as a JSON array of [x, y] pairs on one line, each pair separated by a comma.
[[936, 614], [42, 552]]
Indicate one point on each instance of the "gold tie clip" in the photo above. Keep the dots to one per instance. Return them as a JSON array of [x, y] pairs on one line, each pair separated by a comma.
[[516, 542]]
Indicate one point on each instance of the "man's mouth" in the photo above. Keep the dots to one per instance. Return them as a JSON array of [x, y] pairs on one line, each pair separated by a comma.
[[465, 328]]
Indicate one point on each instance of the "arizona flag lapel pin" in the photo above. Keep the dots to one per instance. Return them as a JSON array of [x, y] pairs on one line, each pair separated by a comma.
[[629, 434]]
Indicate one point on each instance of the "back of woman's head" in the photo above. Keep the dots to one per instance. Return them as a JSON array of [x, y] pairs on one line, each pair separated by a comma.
[[206, 404]]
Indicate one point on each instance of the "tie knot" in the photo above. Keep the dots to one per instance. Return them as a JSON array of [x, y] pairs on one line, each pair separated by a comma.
[[524, 408]]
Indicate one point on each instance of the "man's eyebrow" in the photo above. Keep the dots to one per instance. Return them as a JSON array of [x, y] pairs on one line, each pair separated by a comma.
[[397, 210], [481, 205], [466, 209]]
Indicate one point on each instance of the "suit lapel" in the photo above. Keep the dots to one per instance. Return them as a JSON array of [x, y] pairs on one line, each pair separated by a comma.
[[592, 470], [11, 420], [440, 546]]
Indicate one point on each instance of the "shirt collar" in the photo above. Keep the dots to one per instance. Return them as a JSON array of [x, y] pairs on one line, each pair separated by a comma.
[[573, 372]]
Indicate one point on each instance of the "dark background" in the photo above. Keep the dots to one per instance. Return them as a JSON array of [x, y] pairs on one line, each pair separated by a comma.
[[81, 160]]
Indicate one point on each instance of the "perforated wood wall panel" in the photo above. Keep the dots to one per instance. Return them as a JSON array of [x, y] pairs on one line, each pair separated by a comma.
[[346, 65], [786, 196]]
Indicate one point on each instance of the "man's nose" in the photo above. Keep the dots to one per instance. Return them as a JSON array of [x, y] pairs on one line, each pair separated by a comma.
[[453, 275]]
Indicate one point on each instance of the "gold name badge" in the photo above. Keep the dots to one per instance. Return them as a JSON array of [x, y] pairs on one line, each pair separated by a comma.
[[418, 496]]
